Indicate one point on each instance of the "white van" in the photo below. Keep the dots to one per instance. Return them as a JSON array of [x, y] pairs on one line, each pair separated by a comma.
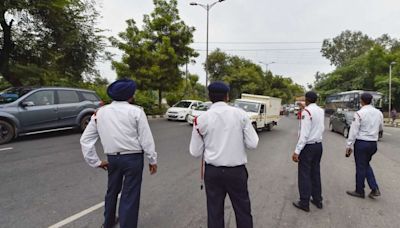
[[263, 111]]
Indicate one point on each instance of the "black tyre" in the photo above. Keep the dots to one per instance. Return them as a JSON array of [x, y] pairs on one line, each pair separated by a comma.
[[84, 122], [269, 127], [7, 132]]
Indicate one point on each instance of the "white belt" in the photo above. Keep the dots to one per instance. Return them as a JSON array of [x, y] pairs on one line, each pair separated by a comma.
[[126, 152]]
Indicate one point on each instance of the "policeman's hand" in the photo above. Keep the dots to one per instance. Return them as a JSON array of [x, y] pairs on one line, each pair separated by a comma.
[[153, 169], [103, 165], [295, 157], [348, 152]]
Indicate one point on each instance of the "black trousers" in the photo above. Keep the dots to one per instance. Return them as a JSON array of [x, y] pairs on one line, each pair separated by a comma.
[[363, 152], [309, 178], [220, 181], [124, 173]]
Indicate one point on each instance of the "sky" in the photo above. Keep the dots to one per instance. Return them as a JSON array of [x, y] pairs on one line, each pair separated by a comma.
[[286, 32]]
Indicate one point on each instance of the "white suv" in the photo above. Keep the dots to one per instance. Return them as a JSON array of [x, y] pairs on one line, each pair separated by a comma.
[[180, 110]]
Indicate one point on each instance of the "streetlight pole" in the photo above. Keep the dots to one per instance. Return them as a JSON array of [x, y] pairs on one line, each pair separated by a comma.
[[390, 86], [266, 65], [207, 8]]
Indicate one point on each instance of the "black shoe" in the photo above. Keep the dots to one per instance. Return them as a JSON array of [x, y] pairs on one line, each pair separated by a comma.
[[115, 223], [299, 206], [355, 194], [318, 204], [374, 193]]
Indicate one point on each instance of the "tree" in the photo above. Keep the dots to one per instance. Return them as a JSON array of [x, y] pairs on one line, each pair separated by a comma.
[[153, 55], [367, 71], [48, 42], [217, 65], [244, 76], [346, 46]]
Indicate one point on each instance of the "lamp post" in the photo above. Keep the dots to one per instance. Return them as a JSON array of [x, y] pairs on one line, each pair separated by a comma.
[[390, 86], [207, 8], [266, 65]]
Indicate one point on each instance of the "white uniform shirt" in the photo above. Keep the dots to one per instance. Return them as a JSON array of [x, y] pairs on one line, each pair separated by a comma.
[[311, 126], [366, 125], [226, 132], [122, 127]]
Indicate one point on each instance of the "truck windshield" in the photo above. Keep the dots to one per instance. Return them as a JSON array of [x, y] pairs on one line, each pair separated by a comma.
[[12, 94], [247, 106]]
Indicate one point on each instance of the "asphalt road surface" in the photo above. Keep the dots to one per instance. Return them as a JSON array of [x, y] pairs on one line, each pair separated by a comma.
[[44, 180]]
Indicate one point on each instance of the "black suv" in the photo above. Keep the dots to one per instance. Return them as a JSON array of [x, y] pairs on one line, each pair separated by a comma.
[[26, 110]]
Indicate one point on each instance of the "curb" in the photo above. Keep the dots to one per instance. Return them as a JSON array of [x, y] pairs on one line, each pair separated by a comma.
[[155, 116]]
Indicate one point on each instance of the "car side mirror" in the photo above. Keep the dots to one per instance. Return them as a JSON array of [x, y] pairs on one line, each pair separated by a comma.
[[25, 104]]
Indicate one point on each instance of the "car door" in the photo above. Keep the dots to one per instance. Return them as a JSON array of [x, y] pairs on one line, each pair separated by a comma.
[[38, 111], [69, 106], [335, 121], [261, 117], [341, 122]]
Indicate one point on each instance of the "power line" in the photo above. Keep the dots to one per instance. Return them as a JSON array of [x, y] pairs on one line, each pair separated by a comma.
[[267, 49], [262, 42]]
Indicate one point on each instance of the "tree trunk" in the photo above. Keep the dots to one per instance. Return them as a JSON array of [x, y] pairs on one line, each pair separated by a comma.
[[6, 51], [159, 98]]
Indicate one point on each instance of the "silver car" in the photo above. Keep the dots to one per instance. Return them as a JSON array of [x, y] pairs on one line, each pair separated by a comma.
[[26, 110]]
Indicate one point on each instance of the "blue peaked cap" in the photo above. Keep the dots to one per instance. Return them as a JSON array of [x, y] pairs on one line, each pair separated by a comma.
[[218, 87], [122, 89]]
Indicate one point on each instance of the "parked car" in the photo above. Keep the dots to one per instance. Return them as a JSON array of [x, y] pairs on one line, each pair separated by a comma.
[[27, 110], [198, 111], [340, 121], [180, 110]]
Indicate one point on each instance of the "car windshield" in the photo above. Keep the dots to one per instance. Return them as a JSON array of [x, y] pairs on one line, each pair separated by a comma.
[[247, 106], [183, 104], [12, 94], [203, 107]]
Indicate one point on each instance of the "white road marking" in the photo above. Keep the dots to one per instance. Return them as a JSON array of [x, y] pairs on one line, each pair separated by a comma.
[[79, 215], [385, 133], [46, 131], [7, 148]]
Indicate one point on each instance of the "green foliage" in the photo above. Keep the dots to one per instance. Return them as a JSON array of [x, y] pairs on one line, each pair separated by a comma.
[[244, 76], [153, 54], [364, 67], [48, 42]]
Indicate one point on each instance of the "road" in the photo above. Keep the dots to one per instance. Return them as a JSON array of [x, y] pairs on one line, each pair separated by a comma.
[[44, 180]]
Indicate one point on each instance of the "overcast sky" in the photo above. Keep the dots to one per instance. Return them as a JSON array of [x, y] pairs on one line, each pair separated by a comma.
[[287, 32]]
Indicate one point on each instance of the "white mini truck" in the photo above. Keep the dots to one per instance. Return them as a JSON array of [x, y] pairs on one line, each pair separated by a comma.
[[263, 111]]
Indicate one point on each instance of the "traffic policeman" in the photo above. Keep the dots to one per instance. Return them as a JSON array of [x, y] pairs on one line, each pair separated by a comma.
[[308, 154], [125, 134], [222, 135], [363, 136]]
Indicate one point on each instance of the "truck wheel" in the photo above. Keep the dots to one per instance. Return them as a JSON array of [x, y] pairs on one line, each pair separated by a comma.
[[7, 132], [84, 122], [268, 127]]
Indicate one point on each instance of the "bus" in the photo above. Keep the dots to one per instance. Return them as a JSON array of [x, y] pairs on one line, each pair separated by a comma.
[[350, 100]]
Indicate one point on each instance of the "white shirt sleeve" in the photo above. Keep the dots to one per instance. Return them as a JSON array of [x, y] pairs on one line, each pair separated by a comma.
[[249, 134], [196, 142], [381, 123], [88, 141], [304, 132], [146, 139], [354, 129]]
